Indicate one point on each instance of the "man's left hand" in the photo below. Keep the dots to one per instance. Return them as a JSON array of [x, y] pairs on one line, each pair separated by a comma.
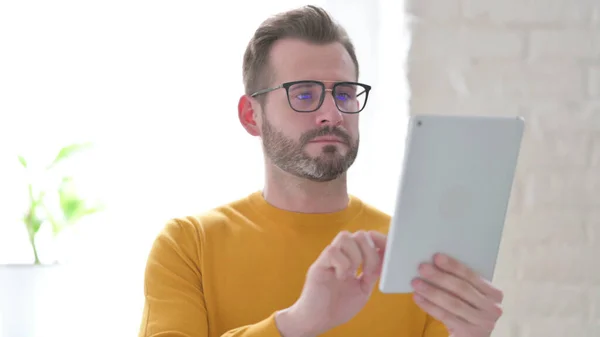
[[467, 304]]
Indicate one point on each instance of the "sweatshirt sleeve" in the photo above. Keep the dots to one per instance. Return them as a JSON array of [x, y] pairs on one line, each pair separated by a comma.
[[174, 301]]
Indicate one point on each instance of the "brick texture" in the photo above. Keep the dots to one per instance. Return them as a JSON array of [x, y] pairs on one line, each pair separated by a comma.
[[594, 82], [550, 13], [540, 60], [565, 43]]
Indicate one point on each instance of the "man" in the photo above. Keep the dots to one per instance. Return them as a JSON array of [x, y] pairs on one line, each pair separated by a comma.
[[301, 257]]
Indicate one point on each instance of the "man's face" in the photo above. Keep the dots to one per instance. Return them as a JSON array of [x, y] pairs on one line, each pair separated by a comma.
[[319, 145]]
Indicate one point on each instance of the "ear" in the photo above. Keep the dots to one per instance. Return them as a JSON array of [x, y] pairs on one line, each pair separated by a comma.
[[246, 114]]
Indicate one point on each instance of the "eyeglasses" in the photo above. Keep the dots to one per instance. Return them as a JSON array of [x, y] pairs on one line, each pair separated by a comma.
[[308, 96]]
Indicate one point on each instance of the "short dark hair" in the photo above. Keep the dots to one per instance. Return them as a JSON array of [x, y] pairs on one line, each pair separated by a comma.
[[310, 23]]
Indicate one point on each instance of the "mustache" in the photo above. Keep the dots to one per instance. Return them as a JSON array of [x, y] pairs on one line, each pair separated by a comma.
[[326, 131]]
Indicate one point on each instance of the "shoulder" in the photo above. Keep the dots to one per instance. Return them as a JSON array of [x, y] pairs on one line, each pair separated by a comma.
[[194, 227], [374, 212], [185, 237]]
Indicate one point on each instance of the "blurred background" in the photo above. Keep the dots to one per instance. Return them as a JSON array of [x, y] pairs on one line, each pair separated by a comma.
[[124, 113]]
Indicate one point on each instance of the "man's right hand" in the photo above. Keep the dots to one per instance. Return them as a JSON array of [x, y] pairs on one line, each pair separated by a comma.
[[333, 292]]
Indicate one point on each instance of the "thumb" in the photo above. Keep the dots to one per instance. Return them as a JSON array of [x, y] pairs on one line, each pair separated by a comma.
[[367, 281]]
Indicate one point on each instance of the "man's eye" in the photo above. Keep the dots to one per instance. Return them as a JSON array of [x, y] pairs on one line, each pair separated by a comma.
[[304, 96], [343, 97]]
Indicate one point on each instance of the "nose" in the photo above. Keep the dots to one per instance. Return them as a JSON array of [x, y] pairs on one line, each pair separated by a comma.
[[328, 113]]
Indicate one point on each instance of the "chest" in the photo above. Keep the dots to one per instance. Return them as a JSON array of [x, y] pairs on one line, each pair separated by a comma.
[[248, 277]]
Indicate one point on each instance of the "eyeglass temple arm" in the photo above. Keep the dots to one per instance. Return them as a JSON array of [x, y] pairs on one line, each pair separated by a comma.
[[264, 91]]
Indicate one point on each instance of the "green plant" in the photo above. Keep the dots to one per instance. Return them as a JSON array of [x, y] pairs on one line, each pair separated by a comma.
[[56, 204]]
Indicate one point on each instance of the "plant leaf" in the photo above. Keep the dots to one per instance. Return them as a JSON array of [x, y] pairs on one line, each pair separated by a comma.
[[68, 151], [33, 222], [23, 161], [69, 202], [73, 207], [57, 226], [36, 224]]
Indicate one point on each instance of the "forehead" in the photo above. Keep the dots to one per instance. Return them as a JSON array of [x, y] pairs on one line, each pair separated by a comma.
[[294, 59]]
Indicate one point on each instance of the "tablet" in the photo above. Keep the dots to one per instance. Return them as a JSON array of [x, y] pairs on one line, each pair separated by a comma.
[[453, 194]]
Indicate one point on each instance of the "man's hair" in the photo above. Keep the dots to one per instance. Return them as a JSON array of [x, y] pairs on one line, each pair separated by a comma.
[[308, 23]]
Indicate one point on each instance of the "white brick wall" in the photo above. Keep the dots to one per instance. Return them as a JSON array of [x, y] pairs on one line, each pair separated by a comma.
[[539, 59]]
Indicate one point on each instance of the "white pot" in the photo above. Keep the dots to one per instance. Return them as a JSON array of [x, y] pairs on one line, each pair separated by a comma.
[[30, 297]]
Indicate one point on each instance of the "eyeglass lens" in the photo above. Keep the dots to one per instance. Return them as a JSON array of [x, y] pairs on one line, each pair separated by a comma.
[[306, 97]]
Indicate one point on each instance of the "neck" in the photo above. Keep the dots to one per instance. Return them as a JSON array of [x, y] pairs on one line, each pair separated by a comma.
[[296, 194]]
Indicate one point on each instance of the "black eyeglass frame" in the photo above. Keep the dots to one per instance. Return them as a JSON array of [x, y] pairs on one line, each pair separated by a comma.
[[287, 86]]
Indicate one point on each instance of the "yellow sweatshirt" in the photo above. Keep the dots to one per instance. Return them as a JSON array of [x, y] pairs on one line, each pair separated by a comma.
[[224, 273]]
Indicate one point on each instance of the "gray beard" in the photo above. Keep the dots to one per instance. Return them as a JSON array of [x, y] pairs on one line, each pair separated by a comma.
[[290, 157]]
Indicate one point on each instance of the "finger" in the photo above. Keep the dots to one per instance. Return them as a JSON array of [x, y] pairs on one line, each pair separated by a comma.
[[346, 243], [370, 257], [453, 266], [461, 289], [339, 262], [379, 239], [452, 304], [324, 261], [452, 322]]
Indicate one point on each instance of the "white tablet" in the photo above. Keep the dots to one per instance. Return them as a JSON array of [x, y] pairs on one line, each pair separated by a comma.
[[453, 194]]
